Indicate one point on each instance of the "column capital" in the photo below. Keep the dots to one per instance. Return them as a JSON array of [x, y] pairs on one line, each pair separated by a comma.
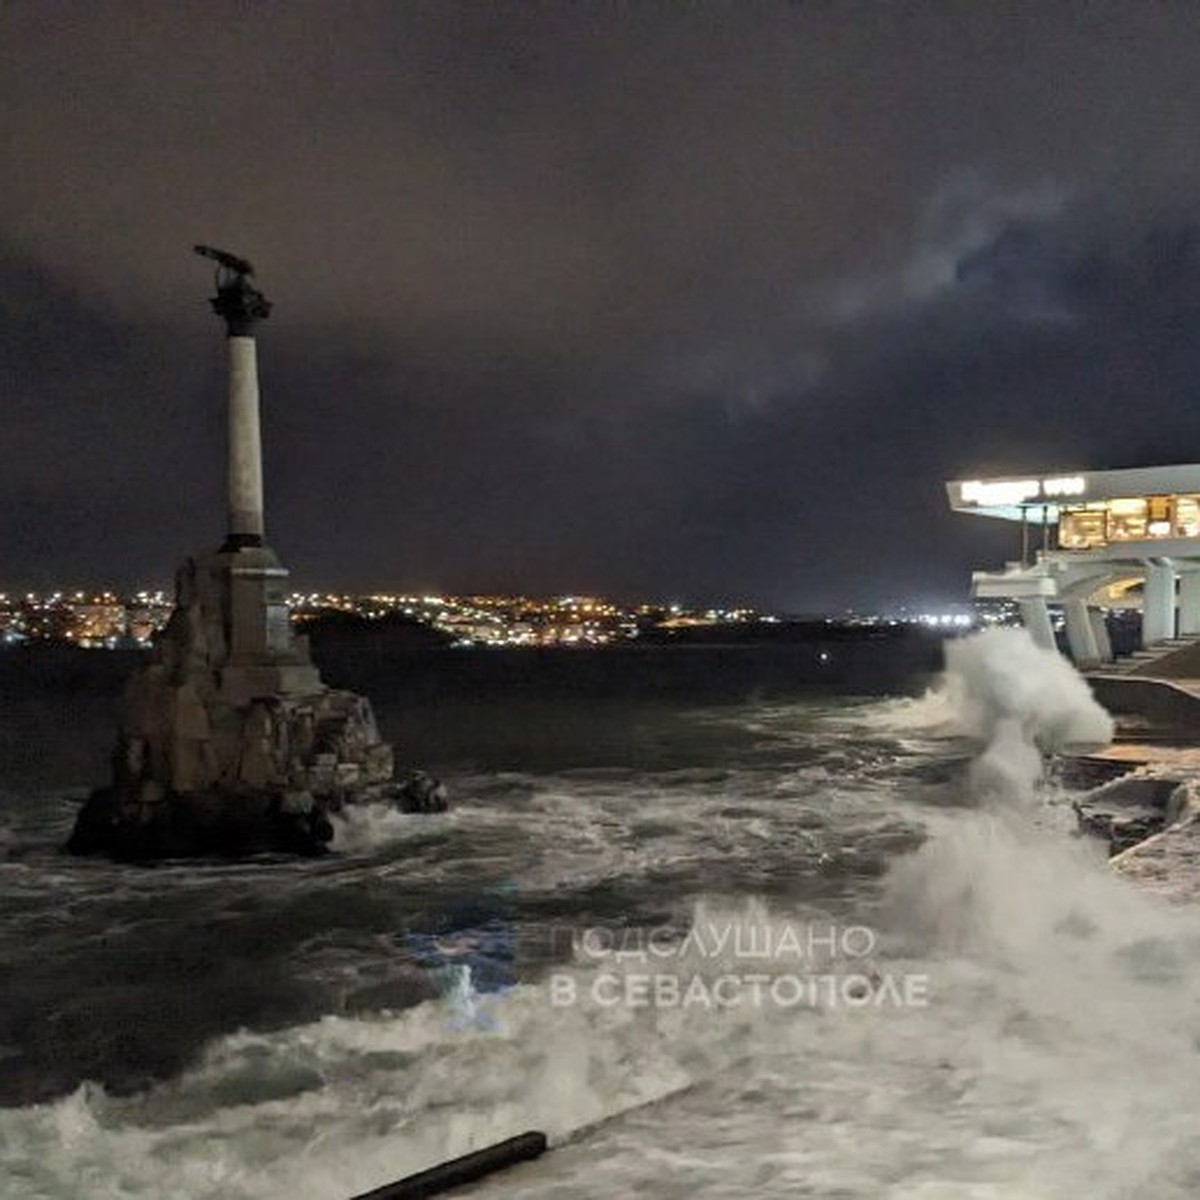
[[240, 305]]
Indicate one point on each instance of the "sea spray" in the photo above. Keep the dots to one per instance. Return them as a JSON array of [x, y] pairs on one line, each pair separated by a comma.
[[1015, 698], [1000, 681], [1081, 981], [1086, 994], [984, 879]]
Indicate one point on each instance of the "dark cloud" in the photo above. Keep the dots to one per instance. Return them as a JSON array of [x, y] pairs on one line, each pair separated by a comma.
[[694, 300]]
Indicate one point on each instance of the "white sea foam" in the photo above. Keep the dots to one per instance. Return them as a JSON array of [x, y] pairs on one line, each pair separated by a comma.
[[1056, 1058], [1001, 675], [361, 828], [995, 676]]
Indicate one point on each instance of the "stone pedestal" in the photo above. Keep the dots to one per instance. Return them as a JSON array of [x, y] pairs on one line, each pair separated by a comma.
[[229, 741]]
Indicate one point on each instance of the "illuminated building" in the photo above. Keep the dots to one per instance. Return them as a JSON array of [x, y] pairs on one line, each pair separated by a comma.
[[1093, 539], [99, 621]]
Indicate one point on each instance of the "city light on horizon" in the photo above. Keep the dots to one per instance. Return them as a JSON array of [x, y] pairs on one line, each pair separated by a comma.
[[105, 618]]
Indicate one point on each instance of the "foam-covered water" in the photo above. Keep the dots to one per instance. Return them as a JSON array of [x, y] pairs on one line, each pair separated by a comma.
[[991, 1013]]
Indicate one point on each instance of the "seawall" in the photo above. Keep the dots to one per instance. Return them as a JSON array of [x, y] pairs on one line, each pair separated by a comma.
[[1159, 718]]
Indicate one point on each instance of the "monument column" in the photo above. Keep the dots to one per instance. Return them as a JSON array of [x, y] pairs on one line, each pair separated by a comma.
[[241, 306], [245, 445], [230, 742], [250, 579]]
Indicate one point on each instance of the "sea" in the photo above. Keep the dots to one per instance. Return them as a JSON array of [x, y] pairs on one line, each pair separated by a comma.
[[802, 921]]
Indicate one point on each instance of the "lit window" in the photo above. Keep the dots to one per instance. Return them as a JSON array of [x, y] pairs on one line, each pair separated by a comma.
[[1187, 516], [1159, 511], [1127, 519], [1082, 528]]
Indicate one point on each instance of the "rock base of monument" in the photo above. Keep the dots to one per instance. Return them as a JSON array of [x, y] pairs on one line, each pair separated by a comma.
[[230, 744], [218, 823], [199, 824]]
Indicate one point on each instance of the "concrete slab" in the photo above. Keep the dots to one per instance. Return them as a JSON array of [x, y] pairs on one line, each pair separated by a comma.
[[1137, 754], [1166, 864]]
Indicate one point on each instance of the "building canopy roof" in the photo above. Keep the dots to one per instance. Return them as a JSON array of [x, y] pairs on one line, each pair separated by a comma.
[[1017, 497]]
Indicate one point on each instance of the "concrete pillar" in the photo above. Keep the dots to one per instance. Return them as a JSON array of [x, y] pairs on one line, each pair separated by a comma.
[[1036, 618], [241, 306], [1080, 636], [1158, 602], [1189, 603], [245, 444], [1100, 633]]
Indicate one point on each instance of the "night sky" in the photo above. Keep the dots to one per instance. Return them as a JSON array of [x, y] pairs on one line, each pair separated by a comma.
[[661, 300]]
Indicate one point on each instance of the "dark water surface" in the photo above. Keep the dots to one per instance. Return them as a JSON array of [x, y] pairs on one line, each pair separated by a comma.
[[308, 1030], [564, 768]]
